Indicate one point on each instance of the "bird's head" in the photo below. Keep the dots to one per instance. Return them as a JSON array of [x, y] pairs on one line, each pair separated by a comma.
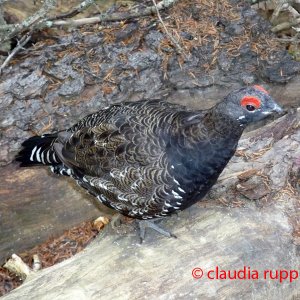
[[249, 104]]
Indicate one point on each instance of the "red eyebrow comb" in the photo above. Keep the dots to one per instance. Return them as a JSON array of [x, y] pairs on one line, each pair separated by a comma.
[[259, 87]]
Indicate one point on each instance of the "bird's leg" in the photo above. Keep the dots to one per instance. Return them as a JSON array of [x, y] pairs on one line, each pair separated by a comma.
[[116, 221], [143, 224]]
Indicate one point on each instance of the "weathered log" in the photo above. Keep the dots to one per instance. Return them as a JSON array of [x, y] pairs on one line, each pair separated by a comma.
[[249, 221], [35, 205]]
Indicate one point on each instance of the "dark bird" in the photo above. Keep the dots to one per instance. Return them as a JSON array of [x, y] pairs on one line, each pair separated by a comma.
[[149, 159]]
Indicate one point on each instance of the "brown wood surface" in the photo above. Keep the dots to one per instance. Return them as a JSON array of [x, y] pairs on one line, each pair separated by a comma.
[[36, 205]]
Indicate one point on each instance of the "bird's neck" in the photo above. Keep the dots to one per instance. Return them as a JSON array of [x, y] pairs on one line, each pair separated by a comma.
[[217, 120], [214, 125]]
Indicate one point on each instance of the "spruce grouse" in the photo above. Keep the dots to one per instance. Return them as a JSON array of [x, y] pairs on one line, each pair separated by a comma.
[[148, 159]]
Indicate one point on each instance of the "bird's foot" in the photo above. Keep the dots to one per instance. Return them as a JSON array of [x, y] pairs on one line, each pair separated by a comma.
[[143, 224]]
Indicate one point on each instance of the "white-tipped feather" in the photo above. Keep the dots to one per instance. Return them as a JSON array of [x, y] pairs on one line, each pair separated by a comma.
[[48, 156], [181, 190], [32, 153], [37, 154], [42, 157], [54, 157], [176, 195]]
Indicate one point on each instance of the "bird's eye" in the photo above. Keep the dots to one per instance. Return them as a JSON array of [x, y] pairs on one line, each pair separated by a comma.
[[251, 103], [250, 107]]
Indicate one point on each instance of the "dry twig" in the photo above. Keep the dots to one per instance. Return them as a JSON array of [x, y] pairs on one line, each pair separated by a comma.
[[75, 11], [39, 21], [173, 40], [24, 40], [10, 31], [280, 5], [285, 25]]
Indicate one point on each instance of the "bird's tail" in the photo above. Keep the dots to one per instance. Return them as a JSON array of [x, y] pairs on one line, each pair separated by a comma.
[[38, 150]]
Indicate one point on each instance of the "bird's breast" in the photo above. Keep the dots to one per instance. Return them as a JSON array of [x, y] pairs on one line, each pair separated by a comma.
[[196, 170]]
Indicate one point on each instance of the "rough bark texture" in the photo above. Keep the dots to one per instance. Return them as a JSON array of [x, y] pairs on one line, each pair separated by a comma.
[[249, 219]]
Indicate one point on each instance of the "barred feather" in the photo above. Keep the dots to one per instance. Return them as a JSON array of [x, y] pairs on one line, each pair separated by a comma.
[[38, 150]]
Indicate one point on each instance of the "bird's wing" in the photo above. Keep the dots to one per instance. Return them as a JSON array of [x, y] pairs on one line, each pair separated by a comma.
[[132, 134]]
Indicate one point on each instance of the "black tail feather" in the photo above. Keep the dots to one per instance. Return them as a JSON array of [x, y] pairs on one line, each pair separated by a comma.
[[38, 150]]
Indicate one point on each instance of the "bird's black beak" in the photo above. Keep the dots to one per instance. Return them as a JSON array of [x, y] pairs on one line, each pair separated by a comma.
[[273, 107]]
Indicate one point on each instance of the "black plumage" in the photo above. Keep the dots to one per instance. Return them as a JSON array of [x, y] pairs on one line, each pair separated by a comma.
[[148, 159]]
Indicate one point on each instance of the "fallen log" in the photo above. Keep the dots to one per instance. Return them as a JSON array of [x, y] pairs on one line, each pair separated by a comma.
[[247, 224], [35, 205]]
